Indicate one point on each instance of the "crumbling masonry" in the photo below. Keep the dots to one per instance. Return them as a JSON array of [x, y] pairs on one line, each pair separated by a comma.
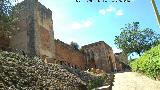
[[36, 38], [35, 35]]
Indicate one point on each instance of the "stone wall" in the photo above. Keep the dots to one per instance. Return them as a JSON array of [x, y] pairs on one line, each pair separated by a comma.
[[122, 57], [36, 38], [35, 35], [121, 60], [69, 56], [99, 55], [4, 43], [118, 63], [44, 31]]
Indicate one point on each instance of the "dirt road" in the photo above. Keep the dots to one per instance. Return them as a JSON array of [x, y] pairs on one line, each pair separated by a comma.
[[134, 81]]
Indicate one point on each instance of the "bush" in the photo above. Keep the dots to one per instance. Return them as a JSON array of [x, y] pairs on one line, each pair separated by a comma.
[[97, 82], [149, 63]]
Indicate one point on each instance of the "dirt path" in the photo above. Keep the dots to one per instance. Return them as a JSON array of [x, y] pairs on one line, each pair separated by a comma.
[[134, 81]]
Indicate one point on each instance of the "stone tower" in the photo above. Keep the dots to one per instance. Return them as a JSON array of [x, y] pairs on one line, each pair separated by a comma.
[[35, 35], [99, 55]]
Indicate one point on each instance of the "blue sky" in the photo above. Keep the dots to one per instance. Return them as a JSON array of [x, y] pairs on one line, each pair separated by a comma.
[[94, 21]]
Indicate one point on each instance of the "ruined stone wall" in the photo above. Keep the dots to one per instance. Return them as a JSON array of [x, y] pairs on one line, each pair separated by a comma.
[[68, 55], [44, 31], [118, 63], [35, 35], [122, 57], [101, 55], [21, 39]]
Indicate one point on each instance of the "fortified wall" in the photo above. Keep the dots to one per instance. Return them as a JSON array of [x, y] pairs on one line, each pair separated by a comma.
[[36, 38], [121, 59], [35, 35], [99, 55], [68, 55]]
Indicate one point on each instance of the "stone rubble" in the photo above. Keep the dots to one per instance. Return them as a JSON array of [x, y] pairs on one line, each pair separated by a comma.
[[22, 73]]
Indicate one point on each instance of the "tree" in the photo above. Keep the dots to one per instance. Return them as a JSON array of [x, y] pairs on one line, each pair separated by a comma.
[[7, 21], [74, 45], [133, 39]]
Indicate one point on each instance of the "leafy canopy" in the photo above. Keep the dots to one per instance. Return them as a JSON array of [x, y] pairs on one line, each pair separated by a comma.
[[134, 39], [74, 45], [7, 21]]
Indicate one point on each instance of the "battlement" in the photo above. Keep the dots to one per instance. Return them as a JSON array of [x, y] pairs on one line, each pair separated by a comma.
[[65, 45], [65, 53], [99, 43]]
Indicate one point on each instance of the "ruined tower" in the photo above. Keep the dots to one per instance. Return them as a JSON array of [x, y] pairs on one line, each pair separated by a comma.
[[99, 55], [35, 35]]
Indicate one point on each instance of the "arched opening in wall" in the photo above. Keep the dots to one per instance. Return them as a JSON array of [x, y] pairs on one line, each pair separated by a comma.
[[61, 62], [111, 64], [75, 67], [93, 63], [65, 63], [69, 65]]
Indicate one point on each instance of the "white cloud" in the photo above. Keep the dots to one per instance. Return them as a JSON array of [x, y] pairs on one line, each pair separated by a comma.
[[119, 13], [108, 10], [103, 12], [115, 50], [87, 23], [76, 25], [111, 9], [81, 24]]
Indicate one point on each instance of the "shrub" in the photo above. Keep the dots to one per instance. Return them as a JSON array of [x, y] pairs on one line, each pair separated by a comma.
[[97, 82], [149, 63]]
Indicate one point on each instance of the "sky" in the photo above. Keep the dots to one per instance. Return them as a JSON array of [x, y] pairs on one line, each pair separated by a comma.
[[88, 22]]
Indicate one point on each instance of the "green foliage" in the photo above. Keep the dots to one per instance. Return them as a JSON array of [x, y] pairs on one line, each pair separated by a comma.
[[74, 45], [5, 7], [133, 39], [149, 63], [97, 82], [7, 21]]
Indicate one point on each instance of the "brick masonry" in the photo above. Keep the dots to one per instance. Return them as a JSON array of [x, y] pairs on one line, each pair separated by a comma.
[[72, 57], [36, 38], [35, 35], [99, 55]]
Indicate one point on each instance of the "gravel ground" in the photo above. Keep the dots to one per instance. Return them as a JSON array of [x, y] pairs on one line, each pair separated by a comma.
[[134, 81]]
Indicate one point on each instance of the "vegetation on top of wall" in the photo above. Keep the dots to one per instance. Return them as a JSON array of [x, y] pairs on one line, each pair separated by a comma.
[[74, 45], [149, 63]]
